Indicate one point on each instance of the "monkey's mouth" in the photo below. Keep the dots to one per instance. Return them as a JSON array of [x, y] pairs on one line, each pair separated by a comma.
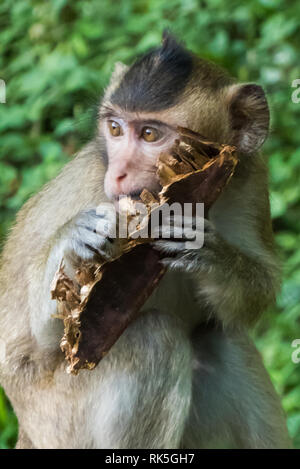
[[134, 195], [123, 202]]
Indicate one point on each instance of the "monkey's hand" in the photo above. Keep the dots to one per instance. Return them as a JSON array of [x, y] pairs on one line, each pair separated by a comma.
[[189, 244], [90, 235], [237, 286]]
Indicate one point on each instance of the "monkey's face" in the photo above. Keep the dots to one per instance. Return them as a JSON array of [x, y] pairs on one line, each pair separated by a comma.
[[134, 142], [167, 87]]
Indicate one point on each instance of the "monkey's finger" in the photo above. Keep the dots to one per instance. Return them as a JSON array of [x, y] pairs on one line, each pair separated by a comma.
[[175, 264], [98, 252], [169, 247], [169, 232], [102, 213], [106, 228], [83, 251]]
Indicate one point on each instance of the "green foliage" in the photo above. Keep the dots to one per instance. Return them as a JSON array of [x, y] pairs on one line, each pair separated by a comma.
[[56, 58], [8, 423]]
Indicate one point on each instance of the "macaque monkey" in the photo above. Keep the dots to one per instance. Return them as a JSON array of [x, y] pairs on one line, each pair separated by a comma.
[[184, 374]]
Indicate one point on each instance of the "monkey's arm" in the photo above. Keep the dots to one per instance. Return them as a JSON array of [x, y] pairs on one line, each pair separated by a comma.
[[238, 287], [236, 269], [58, 219], [84, 238]]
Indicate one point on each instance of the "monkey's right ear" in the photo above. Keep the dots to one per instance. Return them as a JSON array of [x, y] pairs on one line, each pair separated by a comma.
[[249, 116]]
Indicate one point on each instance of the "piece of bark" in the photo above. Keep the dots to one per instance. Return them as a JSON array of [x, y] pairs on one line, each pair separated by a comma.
[[106, 297]]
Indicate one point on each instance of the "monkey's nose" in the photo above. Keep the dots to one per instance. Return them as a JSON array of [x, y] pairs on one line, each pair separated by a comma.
[[121, 177]]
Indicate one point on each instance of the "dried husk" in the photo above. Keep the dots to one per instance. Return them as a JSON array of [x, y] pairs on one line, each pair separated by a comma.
[[106, 297]]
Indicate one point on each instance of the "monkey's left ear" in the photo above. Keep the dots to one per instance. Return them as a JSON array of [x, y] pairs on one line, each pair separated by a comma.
[[249, 116]]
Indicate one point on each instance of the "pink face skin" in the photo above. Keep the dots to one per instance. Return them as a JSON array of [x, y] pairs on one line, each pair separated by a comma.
[[134, 143]]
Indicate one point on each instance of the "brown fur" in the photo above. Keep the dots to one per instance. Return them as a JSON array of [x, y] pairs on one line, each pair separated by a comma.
[[164, 384]]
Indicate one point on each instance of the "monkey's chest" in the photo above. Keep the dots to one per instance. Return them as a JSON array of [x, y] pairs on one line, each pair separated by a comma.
[[175, 295]]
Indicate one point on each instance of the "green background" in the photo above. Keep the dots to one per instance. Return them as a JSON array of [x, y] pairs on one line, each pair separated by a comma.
[[56, 58]]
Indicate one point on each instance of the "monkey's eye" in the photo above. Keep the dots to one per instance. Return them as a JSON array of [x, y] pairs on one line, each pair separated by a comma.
[[149, 134], [115, 128]]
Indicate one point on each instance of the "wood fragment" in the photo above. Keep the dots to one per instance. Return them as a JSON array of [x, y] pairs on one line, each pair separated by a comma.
[[106, 297]]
